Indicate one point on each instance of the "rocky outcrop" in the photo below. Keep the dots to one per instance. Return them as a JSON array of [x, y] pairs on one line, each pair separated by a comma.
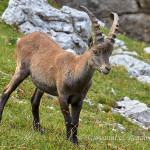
[[69, 27], [136, 68], [134, 111], [134, 14], [147, 50], [136, 26]]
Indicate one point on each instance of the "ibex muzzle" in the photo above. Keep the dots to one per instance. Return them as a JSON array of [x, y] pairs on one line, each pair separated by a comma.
[[100, 57], [60, 73]]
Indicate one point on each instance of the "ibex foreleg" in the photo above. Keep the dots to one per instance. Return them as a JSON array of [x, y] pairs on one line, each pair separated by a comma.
[[68, 120], [75, 112]]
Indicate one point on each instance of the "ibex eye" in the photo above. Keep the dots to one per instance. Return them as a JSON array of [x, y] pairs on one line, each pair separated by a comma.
[[95, 51]]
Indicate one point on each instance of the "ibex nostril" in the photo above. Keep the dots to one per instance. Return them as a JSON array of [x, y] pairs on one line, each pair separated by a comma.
[[107, 68]]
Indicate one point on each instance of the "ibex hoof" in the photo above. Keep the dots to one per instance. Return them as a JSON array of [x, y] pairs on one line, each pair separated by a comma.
[[38, 127], [74, 141]]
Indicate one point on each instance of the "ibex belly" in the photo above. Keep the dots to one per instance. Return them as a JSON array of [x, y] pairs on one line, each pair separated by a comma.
[[47, 86]]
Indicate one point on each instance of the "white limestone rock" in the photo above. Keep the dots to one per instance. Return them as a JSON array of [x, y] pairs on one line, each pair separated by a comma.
[[113, 91], [102, 24], [120, 126], [136, 68], [50, 107], [120, 51], [120, 44], [134, 111], [147, 50], [144, 79], [69, 27], [71, 51], [88, 101], [100, 106]]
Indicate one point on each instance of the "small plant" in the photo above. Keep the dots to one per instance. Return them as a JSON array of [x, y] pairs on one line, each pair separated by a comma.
[[106, 108], [12, 41], [54, 3]]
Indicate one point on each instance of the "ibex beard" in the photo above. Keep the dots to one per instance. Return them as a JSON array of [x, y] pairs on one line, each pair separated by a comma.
[[60, 73]]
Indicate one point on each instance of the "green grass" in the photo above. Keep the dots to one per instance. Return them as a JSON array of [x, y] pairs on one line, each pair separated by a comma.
[[53, 3], [95, 129]]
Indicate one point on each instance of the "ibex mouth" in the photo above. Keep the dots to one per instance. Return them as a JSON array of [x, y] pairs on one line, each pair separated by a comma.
[[104, 72]]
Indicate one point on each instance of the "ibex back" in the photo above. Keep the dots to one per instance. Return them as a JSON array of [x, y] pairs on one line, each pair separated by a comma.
[[60, 73]]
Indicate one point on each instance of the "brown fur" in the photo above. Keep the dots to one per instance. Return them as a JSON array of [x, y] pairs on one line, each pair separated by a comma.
[[60, 73], [57, 72]]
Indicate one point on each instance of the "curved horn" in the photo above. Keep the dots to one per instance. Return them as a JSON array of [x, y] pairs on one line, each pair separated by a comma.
[[111, 35], [98, 38]]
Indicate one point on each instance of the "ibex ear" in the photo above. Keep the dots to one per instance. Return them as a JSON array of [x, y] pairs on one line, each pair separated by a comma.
[[111, 15], [90, 42]]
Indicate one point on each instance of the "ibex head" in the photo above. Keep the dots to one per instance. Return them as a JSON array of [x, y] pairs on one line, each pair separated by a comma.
[[100, 49]]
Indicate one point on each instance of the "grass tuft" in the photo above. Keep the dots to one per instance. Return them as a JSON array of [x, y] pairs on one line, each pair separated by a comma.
[[96, 130]]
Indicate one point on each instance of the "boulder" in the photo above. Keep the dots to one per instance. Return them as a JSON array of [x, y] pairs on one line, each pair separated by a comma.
[[134, 111], [103, 8], [147, 50], [136, 26], [136, 68], [134, 15], [69, 27], [120, 51], [144, 5]]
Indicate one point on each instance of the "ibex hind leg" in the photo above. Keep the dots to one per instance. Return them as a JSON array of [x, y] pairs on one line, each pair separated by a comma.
[[21, 73], [35, 101]]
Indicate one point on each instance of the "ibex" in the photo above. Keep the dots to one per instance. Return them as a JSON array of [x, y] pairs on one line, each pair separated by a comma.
[[60, 73]]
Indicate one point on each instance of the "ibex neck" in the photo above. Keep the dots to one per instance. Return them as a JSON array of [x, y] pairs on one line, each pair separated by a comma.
[[83, 69]]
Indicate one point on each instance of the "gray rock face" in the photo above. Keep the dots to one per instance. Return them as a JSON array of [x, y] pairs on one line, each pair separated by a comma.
[[105, 7], [144, 5], [136, 68], [134, 14], [134, 111], [136, 26], [69, 27]]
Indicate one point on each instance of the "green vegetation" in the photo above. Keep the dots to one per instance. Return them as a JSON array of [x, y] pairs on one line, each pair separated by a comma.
[[95, 129], [53, 3]]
